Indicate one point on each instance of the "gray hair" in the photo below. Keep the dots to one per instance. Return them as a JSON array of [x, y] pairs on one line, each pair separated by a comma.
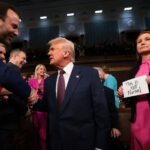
[[15, 52], [99, 69]]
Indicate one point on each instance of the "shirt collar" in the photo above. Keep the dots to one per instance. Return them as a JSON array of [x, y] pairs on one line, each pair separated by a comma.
[[68, 68]]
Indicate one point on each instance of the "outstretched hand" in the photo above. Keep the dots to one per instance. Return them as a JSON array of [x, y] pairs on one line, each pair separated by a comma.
[[33, 98]]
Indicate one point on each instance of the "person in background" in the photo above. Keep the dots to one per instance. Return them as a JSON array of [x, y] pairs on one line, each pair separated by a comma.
[[113, 113], [109, 81], [17, 60], [140, 105], [39, 118], [78, 117]]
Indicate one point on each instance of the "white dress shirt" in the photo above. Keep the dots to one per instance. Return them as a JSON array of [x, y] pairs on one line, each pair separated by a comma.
[[68, 70]]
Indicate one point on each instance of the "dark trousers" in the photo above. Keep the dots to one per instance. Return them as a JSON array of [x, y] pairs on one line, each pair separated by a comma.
[[6, 138]]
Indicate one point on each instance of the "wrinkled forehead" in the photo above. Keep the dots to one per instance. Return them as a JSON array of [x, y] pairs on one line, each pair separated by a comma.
[[56, 45]]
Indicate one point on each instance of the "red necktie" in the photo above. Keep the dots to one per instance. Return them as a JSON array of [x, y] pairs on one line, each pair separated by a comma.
[[60, 89]]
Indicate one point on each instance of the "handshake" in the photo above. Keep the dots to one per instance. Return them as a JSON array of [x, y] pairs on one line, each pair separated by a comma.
[[33, 98]]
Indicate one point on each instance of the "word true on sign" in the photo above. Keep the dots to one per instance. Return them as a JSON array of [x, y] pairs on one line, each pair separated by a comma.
[[135, 86]]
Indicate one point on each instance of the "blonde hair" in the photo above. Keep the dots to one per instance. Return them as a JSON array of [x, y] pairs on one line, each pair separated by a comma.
[[37, 67], [67, 45]]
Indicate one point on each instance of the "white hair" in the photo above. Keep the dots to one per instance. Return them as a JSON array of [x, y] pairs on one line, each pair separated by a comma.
[[67, 44]]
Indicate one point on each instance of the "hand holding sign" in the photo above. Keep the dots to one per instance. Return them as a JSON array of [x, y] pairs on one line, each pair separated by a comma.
[[136, 86]]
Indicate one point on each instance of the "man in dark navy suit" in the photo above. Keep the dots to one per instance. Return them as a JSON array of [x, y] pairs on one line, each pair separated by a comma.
[[81, 120], [12, 109], [9, 23], [9, 78]]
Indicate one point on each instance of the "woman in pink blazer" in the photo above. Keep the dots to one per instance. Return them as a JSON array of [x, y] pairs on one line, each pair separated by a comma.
[[39, 118]]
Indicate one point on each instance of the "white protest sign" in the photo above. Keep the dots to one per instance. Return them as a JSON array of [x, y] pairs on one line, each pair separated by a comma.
[[136, 86]]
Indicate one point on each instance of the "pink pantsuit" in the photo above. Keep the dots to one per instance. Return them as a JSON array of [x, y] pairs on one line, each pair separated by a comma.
[[140, 129], [39, 118]]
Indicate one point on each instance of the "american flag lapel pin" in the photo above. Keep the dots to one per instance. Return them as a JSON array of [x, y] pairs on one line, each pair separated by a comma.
[[77, 76]]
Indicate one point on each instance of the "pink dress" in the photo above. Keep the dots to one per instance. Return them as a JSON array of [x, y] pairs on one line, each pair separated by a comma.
[[39, 118], [140, 129]]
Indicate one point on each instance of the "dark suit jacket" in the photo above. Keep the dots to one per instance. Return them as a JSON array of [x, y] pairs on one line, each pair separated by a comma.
[[11, 110], [83, 121], [12, 81], [10, 78], [113, 112]]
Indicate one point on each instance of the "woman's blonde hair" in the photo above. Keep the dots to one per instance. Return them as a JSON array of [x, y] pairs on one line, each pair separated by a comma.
[[37, 67]]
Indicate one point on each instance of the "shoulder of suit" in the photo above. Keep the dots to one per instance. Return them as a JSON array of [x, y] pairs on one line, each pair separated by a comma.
[[52, 76], [85, 68]]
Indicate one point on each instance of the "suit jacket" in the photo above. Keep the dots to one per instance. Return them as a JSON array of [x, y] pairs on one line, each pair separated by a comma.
[[113, 112], [11, 110], [12, 81], [83, 121]]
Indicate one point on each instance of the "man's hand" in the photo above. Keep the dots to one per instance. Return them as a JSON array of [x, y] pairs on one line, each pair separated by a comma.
[[4, 95], [115, 133], [33, 98], [5, 92]]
